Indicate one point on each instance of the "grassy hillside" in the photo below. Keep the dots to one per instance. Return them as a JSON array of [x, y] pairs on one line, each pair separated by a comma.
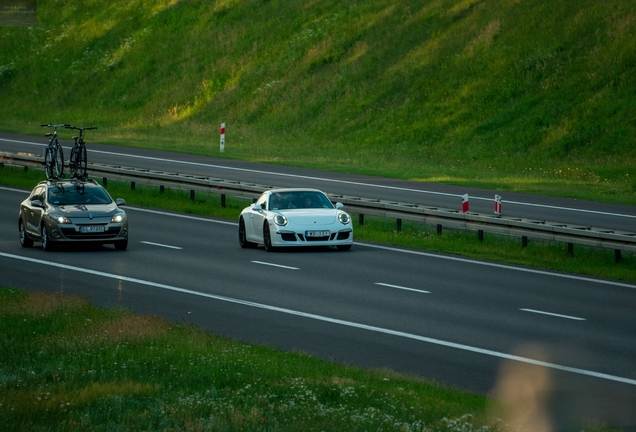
[[533, 96]]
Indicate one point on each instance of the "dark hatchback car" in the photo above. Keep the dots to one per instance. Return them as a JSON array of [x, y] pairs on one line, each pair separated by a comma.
[[72, 211]]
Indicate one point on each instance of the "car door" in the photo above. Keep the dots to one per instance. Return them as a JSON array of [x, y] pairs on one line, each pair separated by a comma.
[[33, 214], [258, 217]]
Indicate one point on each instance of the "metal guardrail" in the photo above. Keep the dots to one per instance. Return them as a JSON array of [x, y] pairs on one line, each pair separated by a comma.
[[525, 228]]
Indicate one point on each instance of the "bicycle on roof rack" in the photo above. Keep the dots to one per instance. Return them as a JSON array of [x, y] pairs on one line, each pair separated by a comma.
[[78, 160], [53, 155]]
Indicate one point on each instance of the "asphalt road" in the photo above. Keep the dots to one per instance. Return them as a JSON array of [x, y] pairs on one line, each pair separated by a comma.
[[456, 321], [571, 211]]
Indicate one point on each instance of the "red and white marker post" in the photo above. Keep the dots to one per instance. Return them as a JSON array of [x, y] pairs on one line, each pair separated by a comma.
[[222, 137], [497, 205], [465, 205]]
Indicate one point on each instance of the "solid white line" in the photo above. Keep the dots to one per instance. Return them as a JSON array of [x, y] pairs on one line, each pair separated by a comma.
[[337, 181], [14, 190], [332, 320], [275, 265], [553, 314], [161, 245], [402, 288]]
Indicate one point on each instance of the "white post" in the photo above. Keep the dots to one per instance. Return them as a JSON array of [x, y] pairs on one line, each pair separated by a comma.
[[222, 137], [465, 203], [497, 205]]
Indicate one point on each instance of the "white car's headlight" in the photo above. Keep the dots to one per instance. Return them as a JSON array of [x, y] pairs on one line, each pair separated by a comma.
[[118, 218], [62, 220], [344, 218], [279, 219]]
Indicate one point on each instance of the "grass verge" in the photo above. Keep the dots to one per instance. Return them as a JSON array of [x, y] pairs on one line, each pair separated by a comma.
[[546, 255]]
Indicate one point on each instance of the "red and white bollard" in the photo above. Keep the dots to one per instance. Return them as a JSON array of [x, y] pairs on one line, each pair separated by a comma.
[[497, 205], [465, 205], [222, 137]]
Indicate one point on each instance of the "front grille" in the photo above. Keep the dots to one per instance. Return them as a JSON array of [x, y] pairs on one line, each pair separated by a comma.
[[343, 235], [111, 232], [317, 239]]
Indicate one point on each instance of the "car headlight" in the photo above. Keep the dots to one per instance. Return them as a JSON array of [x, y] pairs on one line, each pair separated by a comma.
[[118, 218], [344, 218], [61, 219], [279, 219]]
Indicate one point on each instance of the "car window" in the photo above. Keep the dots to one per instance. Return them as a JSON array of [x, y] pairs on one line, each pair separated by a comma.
[[312, 200], [77, 194], [262, 201], [37, 194]]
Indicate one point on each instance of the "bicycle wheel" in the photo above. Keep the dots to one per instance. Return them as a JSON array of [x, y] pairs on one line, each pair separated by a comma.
[[58, 165], [48, 163], [73, 162], [82, 161]]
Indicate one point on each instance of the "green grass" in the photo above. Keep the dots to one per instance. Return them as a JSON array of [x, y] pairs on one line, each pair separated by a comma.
[[66, 365], [518, 96], [505, 249]]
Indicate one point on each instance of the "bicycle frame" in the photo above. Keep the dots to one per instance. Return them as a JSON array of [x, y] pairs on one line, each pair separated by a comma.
[[54, 155]]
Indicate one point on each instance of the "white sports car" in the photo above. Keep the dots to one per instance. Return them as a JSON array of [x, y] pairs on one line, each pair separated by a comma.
[[295, 217]]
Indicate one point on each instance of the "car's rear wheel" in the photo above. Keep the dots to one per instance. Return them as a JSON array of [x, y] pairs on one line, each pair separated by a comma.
[[267, 238], [243, 235], [25, 241], [121, 245], [47, 244], [344, 247]]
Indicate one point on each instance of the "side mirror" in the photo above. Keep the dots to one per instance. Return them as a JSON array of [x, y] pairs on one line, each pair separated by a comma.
[[257, 207], [120, 202], [37, 203], [339, 205]]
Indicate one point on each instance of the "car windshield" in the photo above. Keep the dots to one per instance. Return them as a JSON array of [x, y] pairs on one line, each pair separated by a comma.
[[79, 193], [299, 200]]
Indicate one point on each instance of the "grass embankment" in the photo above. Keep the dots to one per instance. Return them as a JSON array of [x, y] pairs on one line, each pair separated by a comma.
[[513, 95], [552, 256], [66, 365]]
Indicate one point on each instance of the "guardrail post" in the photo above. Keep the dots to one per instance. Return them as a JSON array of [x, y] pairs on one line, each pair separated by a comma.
[[571, 249], [223, 200], [480, 235], [105, 181], [399, 224], [439, 229], [617, 255], [162, 188], [191, 194], [524, 241], [26, 168], [132, 185], [361, 219]]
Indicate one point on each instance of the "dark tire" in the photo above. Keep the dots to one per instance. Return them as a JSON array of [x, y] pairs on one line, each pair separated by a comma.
[[82, 162], [25, 241], [243, 236], [343, 247], [47, 244], [58, 162], [48, 163], [73, 163], [267, 238], [121, 245]]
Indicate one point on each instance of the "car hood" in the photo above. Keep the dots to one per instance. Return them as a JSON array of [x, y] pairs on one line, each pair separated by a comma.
[[83, 210], [311, 216]]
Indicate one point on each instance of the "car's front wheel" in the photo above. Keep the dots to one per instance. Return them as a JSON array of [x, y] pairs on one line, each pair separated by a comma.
[[243, 235], [47, 244], [267, 238], [25, 241]]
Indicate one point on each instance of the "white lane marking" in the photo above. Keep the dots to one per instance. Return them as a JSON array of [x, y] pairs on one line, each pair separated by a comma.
[[332, 320], [402, 288], [275, 265], [553, 314], [426, 254], [161, 245], [336, 181], [502, 266], [14, 190]]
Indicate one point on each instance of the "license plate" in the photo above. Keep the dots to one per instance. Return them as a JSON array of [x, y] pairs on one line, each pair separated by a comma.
[[317, 233], [92, 229]]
